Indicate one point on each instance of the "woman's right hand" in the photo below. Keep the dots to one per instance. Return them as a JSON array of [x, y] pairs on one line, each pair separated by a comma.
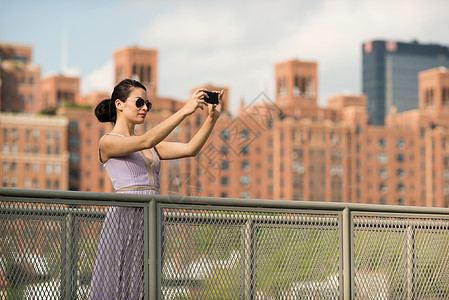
[[195, 101]]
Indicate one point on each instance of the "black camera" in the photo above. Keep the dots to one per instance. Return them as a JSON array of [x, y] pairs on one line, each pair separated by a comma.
[[213, 97]]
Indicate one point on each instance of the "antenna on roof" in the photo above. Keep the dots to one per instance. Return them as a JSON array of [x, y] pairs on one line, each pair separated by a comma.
[[64, 50]]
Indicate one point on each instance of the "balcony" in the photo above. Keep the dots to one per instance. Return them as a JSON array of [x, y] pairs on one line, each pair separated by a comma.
[[51, 243]]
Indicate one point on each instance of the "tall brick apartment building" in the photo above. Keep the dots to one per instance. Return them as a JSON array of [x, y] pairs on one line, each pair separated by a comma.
[[281, 146]]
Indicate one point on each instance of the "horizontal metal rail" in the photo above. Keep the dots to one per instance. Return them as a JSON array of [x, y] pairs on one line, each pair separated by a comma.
[[91, 198]]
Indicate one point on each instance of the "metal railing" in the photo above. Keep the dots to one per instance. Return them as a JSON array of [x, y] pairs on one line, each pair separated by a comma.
[[79, 245]]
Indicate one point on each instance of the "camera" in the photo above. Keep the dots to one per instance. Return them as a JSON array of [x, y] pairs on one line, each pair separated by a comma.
[[213, 97]]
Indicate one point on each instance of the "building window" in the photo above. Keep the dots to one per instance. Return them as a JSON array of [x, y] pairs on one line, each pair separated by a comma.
[[148, 74], [401, 201], [14, 148], [9, 79], [244, 195], [224, 150], [224, 181], [422, 132], [400, 173], [382, 188], [224, 134], [74, 141], [245, 165], [244, 150], [27, 183], [225, 165], [57, 168], [382, 158], [400, 157], [14, 134], [382, 201], [48, 168], [244, 134], [381, 142], [282, 87], [400, 188], [73, 125], [400, 143], [244, 180]]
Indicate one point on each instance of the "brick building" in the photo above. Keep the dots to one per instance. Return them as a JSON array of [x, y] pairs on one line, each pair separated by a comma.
[[34, 152], [19, 80], [287, 147], [59, 90]]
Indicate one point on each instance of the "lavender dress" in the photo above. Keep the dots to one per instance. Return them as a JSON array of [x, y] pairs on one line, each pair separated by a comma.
[[118, 271]]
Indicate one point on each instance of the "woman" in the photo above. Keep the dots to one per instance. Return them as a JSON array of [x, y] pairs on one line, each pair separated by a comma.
[[132, 163]]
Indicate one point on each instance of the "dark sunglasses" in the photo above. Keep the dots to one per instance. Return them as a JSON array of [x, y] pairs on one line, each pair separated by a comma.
[[140, 102]]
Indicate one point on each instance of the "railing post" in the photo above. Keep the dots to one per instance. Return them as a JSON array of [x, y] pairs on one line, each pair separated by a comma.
[[69, 282], [410, 261], [348, 275], [154, 278], [146, 277], [248, 258]]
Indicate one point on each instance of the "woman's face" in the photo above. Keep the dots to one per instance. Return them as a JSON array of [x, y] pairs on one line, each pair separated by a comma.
[[129, 109]]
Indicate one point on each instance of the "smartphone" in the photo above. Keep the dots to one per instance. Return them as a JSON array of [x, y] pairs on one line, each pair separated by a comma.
[[213, 97]]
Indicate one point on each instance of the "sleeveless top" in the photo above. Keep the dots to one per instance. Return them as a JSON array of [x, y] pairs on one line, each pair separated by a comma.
[[134, 172]]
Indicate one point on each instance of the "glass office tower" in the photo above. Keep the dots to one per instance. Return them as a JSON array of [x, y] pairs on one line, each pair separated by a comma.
[[390, 74]]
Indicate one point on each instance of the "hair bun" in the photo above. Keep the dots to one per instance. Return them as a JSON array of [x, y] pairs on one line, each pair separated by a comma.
[[103, 111]]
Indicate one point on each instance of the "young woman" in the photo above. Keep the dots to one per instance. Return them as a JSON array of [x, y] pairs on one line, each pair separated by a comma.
[[132, 163]]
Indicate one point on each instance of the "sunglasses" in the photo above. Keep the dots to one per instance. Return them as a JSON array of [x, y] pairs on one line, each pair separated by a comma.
[[140, 102]]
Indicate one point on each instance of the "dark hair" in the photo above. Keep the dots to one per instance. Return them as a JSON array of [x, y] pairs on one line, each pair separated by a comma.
[[105, 110]]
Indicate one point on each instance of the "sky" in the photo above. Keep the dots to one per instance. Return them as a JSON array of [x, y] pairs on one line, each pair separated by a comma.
[[227, 43]]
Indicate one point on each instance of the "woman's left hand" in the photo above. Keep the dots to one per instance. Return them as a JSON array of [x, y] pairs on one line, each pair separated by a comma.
[[215, 109]]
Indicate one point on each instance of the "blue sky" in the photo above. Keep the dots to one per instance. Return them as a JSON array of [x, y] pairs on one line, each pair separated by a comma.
[[231, 43]]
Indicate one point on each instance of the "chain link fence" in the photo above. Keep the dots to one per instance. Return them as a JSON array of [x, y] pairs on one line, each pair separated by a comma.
[[221, 254], [401, 257], [47, 251], [64, 247]]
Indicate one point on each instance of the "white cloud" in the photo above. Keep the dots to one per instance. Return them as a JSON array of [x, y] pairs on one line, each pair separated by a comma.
[[99, 80], [72, 71], [237, 43]]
